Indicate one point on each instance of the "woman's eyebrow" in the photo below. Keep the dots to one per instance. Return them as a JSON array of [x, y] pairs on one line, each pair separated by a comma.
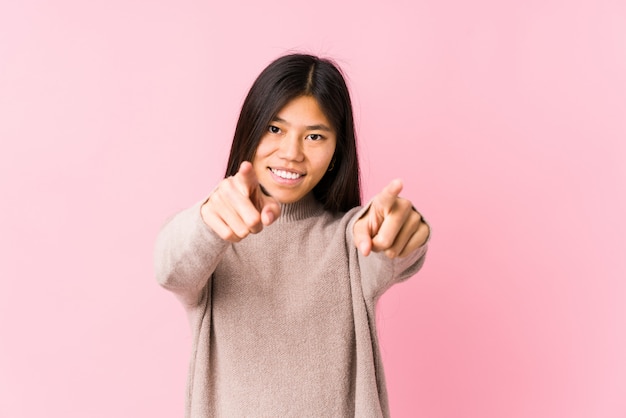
[[318, 127]]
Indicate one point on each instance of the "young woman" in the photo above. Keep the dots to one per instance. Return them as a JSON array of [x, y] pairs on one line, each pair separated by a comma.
[[279, 269]]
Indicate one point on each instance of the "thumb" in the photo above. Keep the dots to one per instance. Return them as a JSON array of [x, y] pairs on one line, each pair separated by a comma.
[[270, 210], [362, 235]]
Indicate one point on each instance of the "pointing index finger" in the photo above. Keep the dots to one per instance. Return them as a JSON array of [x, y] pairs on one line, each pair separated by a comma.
[[390, 193], [247, 177]]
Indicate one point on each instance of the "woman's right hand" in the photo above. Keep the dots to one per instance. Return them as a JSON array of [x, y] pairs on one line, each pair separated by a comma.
[[238, 207]]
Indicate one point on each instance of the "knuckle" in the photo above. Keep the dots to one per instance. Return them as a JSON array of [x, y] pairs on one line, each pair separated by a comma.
[[384, 241], [223, 189], [390, 253], [254, 227], [215, 197], [242, 232], [404, 204], [230, 236], [415, 218], [227, 182], [253, 221]]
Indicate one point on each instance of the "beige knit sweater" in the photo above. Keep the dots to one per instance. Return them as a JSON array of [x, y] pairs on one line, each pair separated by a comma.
[[283, 322]]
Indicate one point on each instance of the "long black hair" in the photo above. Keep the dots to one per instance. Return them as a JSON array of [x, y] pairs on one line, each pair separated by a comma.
[[285, 79]]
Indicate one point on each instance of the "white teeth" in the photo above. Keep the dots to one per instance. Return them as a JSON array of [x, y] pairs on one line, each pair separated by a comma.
[[286, 174]]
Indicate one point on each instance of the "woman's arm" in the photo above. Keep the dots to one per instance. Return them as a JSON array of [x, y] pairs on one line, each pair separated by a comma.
[[391, 240], [187, 252], [191, 245]]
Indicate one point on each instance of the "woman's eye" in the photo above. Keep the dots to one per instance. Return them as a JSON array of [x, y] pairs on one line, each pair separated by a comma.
[[315, 137], [274, 129]]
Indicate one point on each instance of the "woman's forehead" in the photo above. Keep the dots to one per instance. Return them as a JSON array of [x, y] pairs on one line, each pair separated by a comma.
[[304, 112]]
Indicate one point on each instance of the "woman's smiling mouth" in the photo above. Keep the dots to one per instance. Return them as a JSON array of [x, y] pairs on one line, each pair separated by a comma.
[[287, 175]]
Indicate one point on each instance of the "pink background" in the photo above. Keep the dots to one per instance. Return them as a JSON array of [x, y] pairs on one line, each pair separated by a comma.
[[507, 121]]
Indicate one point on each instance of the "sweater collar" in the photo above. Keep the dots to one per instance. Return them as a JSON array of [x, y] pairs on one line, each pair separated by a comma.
[[304, 208]]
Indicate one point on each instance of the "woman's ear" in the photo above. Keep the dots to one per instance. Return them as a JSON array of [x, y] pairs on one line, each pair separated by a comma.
[[332, 163]]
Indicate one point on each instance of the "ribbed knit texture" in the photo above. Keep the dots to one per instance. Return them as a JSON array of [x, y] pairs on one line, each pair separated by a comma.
[[283, 322]]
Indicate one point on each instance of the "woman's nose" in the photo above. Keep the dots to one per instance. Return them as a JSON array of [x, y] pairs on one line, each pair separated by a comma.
[[291, 148]]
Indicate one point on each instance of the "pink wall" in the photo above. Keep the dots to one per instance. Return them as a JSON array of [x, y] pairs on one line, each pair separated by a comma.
[[507, 123]]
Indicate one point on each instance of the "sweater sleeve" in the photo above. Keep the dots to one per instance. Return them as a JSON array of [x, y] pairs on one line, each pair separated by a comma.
[[186, 254], [379, 272]]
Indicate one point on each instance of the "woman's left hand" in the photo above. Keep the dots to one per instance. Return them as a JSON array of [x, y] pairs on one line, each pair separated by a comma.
[[390, 225]]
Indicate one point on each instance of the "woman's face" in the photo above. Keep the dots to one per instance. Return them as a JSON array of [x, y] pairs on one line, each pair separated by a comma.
[[295, 152]]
